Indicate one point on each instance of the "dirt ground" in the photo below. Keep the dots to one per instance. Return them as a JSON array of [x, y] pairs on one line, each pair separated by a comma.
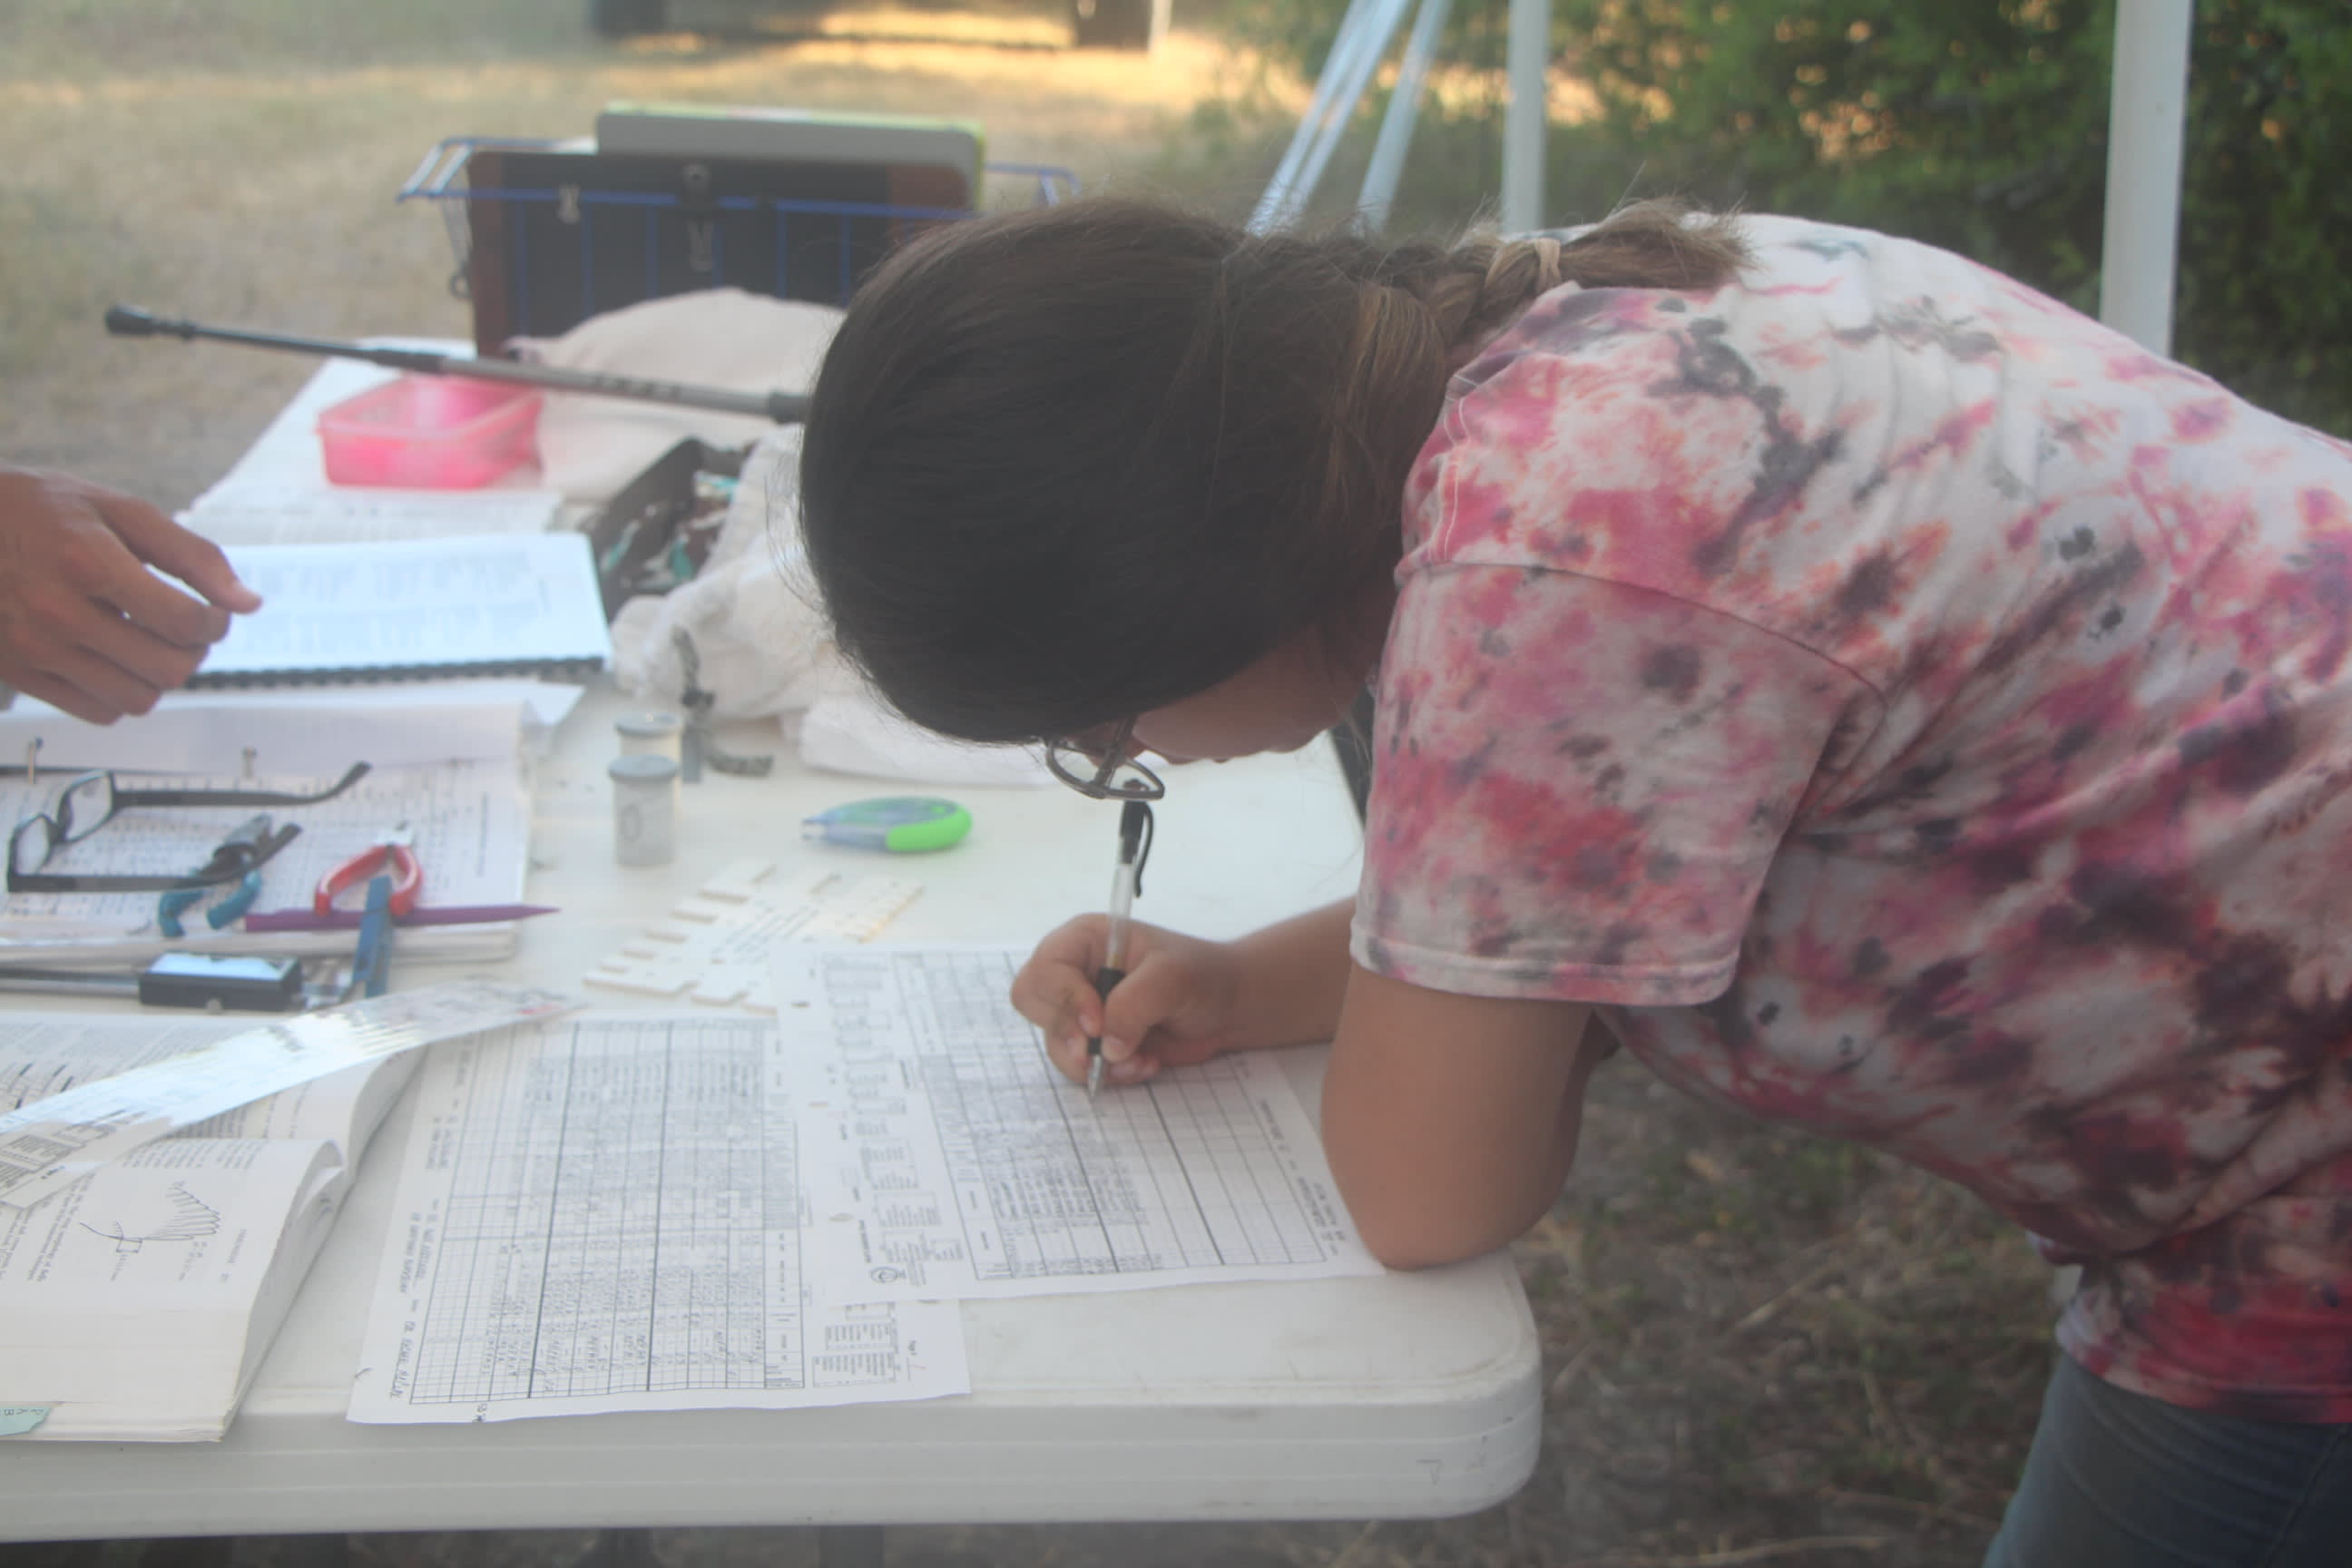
[[1759, 1348]]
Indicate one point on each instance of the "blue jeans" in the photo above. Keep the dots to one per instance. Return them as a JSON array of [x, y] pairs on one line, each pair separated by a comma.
[[2116, 1479]]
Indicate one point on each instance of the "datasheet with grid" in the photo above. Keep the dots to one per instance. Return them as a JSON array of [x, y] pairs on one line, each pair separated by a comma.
[[945, 1157], [606, 1213]]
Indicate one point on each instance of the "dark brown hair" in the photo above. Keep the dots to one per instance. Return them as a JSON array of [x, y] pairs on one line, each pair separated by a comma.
[[1069, 465]]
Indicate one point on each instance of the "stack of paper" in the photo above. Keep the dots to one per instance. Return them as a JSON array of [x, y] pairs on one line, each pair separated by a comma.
[[445, 761]]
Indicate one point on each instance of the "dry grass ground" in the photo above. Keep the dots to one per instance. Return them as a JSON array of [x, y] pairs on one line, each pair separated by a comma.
[[1760, 1348], [235, 162]]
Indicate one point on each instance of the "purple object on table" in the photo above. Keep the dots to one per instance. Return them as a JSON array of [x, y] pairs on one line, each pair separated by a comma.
[[349, 920]]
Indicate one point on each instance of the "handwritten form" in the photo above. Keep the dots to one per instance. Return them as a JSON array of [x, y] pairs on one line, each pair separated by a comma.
[[950, 1158], [606, 1213]]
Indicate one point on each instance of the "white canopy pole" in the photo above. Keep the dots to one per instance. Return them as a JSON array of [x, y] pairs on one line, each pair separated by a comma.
[[1523, 125], [1364, 34], [2145, 118], [1378, 194]]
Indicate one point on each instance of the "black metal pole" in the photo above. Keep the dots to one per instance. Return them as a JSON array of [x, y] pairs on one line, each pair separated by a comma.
[[784, 407]]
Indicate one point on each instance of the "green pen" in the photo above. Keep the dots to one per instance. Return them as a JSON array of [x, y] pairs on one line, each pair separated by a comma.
[[900, 824]]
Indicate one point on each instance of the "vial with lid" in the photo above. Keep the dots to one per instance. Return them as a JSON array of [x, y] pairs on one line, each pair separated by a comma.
[[652, 732], [644, 809]]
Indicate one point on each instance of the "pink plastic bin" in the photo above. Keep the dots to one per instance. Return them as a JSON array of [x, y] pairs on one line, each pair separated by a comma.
[[429, 432]]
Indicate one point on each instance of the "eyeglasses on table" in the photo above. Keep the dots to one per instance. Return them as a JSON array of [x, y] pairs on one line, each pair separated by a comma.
[[91, 800]]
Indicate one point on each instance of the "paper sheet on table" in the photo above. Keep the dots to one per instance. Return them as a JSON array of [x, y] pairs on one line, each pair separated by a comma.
[[605, 1214], [342, 515], [53, 1142], [470, 824], [949, 1159], [305, 729]]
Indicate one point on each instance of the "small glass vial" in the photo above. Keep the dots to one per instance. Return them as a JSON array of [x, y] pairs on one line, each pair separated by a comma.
[[650, 733], [644, 809]]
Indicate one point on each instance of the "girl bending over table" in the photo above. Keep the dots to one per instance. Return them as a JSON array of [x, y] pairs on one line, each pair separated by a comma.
[[1878, 696]]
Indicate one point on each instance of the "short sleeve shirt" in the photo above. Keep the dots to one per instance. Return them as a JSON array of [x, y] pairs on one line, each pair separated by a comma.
[[1919, 714]]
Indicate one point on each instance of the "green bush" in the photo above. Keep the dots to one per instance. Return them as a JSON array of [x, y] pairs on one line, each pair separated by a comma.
[[1980, 127]]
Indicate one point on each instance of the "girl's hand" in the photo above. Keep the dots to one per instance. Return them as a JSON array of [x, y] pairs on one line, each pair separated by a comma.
[[1178, 1004]]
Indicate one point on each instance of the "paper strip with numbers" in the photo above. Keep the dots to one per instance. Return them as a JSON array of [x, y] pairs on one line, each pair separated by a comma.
[[948, 1158], [48, 1144]]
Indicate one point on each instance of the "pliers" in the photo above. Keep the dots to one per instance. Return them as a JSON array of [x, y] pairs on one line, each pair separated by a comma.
[[246, 845], [389, 854]]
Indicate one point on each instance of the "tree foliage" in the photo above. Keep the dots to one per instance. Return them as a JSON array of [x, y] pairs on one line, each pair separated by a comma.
[[1982, 127]]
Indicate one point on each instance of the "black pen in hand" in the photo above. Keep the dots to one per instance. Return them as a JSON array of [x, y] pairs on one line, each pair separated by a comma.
[[1127, 880]]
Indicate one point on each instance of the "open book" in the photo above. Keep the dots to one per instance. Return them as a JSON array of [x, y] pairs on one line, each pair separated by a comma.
[[137, 1305]]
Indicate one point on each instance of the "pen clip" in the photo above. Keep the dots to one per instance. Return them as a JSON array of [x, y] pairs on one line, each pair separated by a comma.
[[1136, 829]]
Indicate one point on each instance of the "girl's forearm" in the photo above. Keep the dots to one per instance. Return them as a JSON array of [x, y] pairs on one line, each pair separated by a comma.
[[1294, 976]]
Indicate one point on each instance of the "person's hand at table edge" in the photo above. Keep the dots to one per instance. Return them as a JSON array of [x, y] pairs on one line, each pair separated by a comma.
[[1178, 1003], [84, 625], [1184, 999]]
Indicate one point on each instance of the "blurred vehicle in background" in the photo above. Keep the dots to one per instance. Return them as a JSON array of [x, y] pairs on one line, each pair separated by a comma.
[[1136, 24]]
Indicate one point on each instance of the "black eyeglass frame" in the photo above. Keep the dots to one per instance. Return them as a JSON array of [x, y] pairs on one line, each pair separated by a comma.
[[229, 861], [1096, 784]]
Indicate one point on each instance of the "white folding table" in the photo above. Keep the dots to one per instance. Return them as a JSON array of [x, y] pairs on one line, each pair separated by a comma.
[[1397, 1397]]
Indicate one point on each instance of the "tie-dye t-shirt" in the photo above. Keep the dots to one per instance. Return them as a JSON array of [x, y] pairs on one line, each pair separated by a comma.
[[1919, 714]]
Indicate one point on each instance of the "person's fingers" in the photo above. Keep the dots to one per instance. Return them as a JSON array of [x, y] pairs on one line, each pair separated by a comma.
[[1169, 1010], [91, 552], [149, 603], [1140, 1067], [137, 651], [162, 543], [1162, 996], [67, 698], [100, 681], [1060, 1007], [1053, 978], [115, 579]]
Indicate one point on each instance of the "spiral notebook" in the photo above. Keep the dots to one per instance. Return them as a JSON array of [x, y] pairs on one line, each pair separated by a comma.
[[415, 609]]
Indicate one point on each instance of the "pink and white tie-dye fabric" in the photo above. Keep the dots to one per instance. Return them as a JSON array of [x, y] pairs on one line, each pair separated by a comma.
[[1922, 716]]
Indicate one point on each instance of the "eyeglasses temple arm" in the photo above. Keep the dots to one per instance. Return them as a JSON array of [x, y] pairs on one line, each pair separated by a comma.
[[151, 798]]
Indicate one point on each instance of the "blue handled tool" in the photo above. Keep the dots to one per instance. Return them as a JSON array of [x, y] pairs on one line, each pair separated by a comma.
[[371, 964], [243, 846]]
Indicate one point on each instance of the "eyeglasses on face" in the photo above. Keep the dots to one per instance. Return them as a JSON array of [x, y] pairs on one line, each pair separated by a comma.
[[90, 800], [1105, 770]]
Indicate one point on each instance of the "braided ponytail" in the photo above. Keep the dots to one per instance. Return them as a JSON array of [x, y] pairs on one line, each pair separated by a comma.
[[1481, 283]]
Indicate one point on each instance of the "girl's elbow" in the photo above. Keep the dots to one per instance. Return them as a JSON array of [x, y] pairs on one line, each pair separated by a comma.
[[1407, 1253], [1419, 1235]]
